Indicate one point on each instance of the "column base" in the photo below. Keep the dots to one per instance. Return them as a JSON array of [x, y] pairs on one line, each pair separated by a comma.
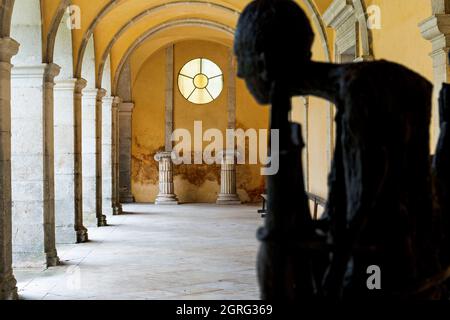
[[117, 210], [52, 260], [82, 235], [127, 198], [228, 199], [101, 221], [166, 199], [8, 289]]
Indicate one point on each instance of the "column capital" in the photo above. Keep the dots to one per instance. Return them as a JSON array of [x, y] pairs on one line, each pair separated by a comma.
[[65, 85], [164, 155], [80, 84], [101, 93], [107, 99], [51, 72], [434, 27], [116, 102], [90, 93], [8, 48], [29, 72], [126, 107]]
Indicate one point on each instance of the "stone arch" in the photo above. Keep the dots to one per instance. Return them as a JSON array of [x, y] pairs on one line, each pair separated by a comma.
[[161, 27], [55, 29], [89, 34], [146, 13], [317, 20], [88, 64], [59, 49], [365, 32], [343, 16], [320, 25], [6, 9]]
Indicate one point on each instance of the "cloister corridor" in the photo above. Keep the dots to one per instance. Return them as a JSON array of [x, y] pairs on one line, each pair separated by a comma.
[[198, 252]]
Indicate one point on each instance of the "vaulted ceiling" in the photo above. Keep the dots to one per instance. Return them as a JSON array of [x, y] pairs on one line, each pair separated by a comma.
[[125, 27]]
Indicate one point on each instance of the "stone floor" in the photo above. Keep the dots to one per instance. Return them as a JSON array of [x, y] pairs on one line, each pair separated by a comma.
[[154, 252]]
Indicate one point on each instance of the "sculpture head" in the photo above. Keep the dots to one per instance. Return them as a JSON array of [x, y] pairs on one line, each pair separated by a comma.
[[273, 40]]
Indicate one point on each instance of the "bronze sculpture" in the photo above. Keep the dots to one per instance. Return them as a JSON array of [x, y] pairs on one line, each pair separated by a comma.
[[380, 206]]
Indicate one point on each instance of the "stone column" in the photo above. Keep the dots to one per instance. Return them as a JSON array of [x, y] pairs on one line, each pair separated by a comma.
[[117, 207], [228, 194], [8, 290], [169, 102], [65, 161], [436, 29], [107, 155], [32, 165], [51, 71], [101, 218], [82, 234], [125, 129], [89, 152], [166, 187]]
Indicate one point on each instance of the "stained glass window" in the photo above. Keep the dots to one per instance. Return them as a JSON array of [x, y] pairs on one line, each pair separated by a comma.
[[200, 81]]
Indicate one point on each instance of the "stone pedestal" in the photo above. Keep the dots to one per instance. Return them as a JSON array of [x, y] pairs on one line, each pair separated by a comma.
[[8, 290], [65, 161], [32, 165], [82, 234], [166, 194], [116, 206], [228, 194], [125, 140]]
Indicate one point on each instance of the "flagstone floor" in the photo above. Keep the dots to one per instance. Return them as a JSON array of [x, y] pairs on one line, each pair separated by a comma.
[[187, 252]]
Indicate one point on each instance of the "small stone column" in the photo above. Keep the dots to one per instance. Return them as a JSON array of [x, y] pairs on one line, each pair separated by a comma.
[[82, 234], [101, 218], [116, 205], [8, 290], [107, 154], [125, 127], [65, 161], [89, 155], [228, 194], [166, 187]]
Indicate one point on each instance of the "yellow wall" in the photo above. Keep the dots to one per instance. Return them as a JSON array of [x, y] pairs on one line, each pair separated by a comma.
[[316, 159], [399, 40], [148, 126], [193, 183], [199, 183]]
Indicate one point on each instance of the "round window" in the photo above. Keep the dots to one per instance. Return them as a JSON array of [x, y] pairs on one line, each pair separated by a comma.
[[200, 81]]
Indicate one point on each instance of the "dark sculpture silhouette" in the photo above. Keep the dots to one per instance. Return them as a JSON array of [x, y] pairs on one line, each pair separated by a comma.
[[380, 204]]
